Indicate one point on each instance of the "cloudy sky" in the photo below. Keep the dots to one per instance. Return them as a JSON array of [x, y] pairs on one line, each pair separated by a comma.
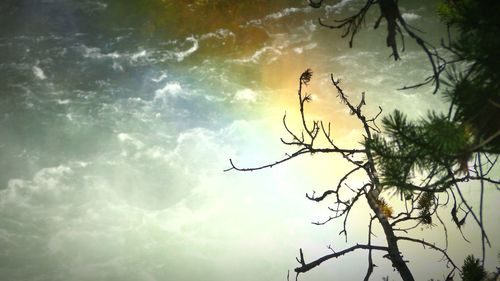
[[119, 117]]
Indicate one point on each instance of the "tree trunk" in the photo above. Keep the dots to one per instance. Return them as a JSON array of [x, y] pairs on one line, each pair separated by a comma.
[[392, 243]]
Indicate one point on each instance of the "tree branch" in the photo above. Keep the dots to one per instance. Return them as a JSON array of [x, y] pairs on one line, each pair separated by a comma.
[[308, 266]]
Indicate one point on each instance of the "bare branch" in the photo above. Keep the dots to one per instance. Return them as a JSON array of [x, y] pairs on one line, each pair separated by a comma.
[[396, 24], [481, 210], [424, 243], [370, 258], [483, 232], [351, 24], [335, 191], [304, 267], [293, 155]]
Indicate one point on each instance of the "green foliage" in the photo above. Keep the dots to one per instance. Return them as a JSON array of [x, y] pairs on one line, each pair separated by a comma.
[[477, 106], [427, 146], [434, 144], [478, 25], [474, 91], [471, 270]]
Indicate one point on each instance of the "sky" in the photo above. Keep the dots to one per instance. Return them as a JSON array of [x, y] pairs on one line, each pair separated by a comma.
[[119, 117]]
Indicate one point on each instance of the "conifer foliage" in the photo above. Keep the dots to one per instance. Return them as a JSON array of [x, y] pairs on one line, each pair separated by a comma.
[[471, 270]]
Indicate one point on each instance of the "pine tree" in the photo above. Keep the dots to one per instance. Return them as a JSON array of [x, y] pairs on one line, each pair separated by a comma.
[[471, 270]]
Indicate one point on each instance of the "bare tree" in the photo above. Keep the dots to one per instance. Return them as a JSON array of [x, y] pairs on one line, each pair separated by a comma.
[[421, 203]]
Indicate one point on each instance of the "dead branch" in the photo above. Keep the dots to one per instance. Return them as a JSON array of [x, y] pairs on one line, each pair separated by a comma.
[[432, 246], [308, 266]]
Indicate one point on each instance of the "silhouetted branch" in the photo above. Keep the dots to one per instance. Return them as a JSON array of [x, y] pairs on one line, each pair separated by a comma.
[[352, 24], [396, 24], [347, 207], [301, 151], [471, 212], [304, 266], [335, 191], [445, 231], [432, 246], [369, 271], [481, 197], [307, 146]]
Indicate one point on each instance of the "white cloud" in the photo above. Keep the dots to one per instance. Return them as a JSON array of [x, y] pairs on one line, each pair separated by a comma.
[[138, 55], [183, 54], [337, 7], [160, 78], [246, 95], [272, 54], [309, 46], [170, 89], [38, 72], [410, 16], [126, 138]]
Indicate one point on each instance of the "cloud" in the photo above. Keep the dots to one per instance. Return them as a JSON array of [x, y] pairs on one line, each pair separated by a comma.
[[337, 8], [171, 89], [410, 17], [309, 46], [269, 53], [246, 95], [183, 54], [160, 78], [38, 72]]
